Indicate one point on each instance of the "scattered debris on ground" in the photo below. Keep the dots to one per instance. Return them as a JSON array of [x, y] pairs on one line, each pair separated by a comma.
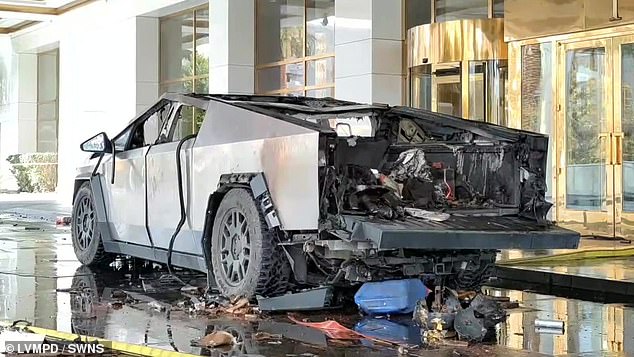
[[265, 337], [157, 306], [310, 299], [331, 328], [236, 307], [447, 318], [216, 339], [63, 221], [551, 327]]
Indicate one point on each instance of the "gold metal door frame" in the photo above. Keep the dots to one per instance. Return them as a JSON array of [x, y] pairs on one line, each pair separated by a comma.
[[599, 222]]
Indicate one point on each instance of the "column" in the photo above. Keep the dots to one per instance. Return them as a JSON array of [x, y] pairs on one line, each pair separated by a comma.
[[232, 39], [369, 40], [27, 102], [147, 62]]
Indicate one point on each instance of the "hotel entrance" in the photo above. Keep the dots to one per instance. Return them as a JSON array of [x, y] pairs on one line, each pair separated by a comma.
[[459, 68], [595, 122]]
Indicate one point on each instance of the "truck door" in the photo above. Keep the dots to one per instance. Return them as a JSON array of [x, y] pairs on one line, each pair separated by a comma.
[[163, 204], [125, 197]]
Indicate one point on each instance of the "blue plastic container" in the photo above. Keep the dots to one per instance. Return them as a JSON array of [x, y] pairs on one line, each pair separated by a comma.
[[390, 296]]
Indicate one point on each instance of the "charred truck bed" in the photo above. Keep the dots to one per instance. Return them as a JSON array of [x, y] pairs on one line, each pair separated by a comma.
[[407, 192]]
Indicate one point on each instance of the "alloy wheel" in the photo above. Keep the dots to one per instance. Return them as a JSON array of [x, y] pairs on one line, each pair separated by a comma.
[[85, 223], [235, 245]]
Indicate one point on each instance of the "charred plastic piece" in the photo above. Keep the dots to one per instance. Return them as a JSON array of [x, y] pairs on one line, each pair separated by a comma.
[[476, 322]]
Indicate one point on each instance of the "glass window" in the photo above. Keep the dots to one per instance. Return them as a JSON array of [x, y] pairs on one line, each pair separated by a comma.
[[536, 88], [122, 140], [321, 93], [188, 121], [537, 96], [280, 30], [627, 124], [477, 97], [420, 87], [151, 129], [417, 12], [320, 27], [449, 10], [320, 72], [359, 126], [47, 102], [184, 47], [295, 47], [147, 133], [410, 132], [498, 8], [286, 76], [487, 87]]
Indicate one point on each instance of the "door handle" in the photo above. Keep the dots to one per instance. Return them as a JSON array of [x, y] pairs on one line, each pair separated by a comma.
[[610, 145], [618, 148]]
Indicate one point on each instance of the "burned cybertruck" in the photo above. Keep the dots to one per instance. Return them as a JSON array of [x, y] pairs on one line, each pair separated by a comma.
[[271, 194]]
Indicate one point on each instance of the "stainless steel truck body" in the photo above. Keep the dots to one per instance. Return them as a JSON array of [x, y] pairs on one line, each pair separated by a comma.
[[277, 193]]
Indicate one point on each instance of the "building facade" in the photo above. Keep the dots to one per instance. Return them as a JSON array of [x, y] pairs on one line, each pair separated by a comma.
[[563, 68]]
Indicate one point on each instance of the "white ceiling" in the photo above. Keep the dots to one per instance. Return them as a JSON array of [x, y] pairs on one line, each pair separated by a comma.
[[38, 3], [16, 14]]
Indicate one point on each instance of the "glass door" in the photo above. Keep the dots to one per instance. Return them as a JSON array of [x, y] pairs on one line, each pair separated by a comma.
[[623, 135], [585, 130], [446, 91]]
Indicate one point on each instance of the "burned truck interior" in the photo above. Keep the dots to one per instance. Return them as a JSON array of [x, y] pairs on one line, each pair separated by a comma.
[[407, 192]]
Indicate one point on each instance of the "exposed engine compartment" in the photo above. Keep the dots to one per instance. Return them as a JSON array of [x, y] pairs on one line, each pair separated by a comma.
[[407, 167], [408, 164]]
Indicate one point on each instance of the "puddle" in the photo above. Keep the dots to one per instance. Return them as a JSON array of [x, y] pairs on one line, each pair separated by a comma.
[[40, 281]]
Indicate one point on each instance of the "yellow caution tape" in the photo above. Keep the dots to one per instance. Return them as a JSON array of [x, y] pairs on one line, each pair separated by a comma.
[[114, 345], [571, 256]]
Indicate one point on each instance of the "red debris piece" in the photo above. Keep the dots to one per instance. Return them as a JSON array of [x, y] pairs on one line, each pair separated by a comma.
[[331, 328], [63, 221]]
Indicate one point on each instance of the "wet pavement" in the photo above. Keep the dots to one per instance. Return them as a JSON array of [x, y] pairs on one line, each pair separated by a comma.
[[621, 269], [41, 281]]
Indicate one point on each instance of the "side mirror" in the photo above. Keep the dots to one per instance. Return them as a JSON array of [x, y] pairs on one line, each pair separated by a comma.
[[98, 143]]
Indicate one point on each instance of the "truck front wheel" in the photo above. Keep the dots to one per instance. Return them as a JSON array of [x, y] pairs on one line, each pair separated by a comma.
[[245, 257], [85, 231]]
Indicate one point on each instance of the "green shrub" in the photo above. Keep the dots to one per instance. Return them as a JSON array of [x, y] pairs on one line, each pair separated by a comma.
[[34, 172]]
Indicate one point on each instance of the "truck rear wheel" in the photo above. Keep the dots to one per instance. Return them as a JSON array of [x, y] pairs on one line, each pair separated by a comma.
[[245, 258], [85, 231]]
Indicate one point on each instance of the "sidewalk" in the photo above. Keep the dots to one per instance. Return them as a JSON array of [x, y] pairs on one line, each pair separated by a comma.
[[38, 206]]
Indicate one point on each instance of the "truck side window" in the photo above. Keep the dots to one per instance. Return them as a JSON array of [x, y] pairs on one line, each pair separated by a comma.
[[188, 120], [149, 132], [122, 140], [354, 126], [410, 132]]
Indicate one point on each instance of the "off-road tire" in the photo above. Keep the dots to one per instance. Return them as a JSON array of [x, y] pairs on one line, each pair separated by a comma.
[[93, 253], [268, 270]]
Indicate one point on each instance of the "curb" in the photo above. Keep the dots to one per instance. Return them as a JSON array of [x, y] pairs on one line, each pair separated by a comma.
[[572, 256], [113, 345], [566, 281]]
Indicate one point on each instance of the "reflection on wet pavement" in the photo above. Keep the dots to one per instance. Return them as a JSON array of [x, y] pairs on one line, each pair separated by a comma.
[[40, 281], [608, 268]]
